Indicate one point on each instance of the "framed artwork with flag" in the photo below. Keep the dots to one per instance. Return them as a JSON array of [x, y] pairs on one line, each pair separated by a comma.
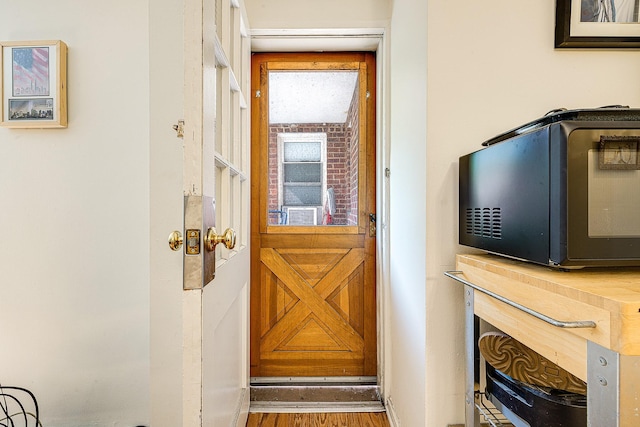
[[33, 84]]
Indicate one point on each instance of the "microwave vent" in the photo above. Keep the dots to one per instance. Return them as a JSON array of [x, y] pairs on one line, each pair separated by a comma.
[[484, 222]]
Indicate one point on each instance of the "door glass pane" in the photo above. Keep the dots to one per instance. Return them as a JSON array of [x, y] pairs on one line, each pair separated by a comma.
[[220, 200], [313, 147], [221, 106]]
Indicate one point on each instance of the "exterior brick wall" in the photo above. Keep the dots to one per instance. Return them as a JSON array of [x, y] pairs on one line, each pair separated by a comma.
[[353, 120]]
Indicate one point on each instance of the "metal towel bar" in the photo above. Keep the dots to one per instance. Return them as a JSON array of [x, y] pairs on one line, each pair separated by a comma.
[[558, 323]]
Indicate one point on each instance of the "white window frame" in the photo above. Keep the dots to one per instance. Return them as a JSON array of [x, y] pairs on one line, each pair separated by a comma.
[[301, 137]]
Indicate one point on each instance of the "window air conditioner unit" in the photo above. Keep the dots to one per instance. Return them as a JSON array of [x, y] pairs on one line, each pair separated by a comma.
[[302, 215]]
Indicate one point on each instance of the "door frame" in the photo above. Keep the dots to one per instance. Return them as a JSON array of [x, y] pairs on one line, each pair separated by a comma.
[[355, 39]]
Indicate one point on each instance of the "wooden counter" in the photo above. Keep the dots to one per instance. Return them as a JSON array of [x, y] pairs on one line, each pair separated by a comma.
[[609, 297]]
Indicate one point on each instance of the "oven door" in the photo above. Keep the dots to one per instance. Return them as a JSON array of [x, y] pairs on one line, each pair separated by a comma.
[[602, 193]]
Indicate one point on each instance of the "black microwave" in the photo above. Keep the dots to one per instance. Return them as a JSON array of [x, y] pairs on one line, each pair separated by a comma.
[[562, 190]]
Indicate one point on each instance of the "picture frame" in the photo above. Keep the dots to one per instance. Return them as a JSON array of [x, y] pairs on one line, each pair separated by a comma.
[[33, 84], [578, 25], [619, 152]]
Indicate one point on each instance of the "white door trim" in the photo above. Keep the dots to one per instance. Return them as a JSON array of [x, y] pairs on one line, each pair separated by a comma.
[[328, 39], [354, 39]]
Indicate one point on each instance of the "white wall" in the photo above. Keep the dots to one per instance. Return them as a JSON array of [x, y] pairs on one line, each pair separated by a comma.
[[459, 73], [78, 238], [280, 14], [408, 211], [490, 67], [74, 289], [166, 82]]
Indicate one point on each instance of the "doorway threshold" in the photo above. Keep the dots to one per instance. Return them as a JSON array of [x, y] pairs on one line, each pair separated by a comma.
[[315, 394], [362, 380]]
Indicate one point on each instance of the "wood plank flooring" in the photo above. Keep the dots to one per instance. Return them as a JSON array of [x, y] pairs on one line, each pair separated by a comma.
[[369, 419]]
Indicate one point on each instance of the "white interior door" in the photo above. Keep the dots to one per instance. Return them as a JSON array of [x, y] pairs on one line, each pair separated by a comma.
[[216, 190]]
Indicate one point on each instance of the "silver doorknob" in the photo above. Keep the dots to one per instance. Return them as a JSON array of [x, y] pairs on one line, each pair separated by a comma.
[[175, 240], [212, 238]]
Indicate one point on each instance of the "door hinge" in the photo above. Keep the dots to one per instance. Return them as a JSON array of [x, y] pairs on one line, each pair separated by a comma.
[[179, 128], [258, 94]]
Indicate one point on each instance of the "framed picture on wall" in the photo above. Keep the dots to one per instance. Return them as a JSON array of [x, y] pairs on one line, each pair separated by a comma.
[[33, 84], [597, 24]]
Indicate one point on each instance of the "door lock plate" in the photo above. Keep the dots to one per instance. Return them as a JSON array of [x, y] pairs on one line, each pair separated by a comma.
[[372, 225], [193, 242]]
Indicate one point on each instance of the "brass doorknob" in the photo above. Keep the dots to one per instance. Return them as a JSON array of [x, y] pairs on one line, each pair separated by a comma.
[[213, 238], [175, 240]]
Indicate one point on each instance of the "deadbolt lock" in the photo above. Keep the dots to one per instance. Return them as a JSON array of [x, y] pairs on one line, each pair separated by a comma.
[[212, 238]]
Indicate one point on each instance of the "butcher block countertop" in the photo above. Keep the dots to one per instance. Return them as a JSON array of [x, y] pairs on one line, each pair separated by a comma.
[[610, 297]]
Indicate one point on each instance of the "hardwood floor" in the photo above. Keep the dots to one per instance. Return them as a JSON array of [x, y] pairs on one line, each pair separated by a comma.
[[368, 419]]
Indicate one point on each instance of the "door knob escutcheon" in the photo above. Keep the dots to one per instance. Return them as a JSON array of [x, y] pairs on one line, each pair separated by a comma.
[[212, 238]]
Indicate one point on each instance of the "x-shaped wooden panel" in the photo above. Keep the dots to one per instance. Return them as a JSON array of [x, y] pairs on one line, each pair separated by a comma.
[[312, 299]]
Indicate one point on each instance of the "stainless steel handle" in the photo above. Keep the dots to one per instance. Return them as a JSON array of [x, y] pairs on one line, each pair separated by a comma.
[[558, 323]]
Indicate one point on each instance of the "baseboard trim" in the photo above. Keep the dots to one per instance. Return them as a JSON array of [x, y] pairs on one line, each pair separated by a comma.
[[242, 409], [394, 421]]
